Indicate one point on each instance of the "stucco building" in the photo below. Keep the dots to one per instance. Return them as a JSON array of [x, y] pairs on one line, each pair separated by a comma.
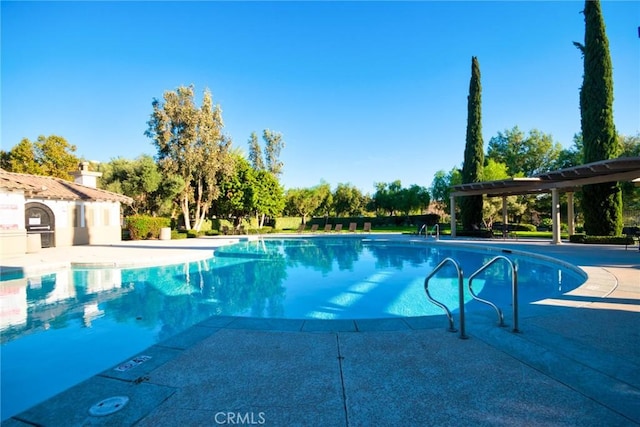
[[41, 211]]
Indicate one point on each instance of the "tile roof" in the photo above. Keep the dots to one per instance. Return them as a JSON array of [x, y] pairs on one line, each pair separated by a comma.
[[48, 187]]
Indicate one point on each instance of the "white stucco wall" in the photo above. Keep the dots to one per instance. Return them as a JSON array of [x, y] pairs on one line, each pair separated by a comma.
[[13, 236], [11, 210]]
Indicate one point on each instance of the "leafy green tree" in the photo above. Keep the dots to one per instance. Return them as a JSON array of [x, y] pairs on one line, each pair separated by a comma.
[[524, 155], [572, 156], [323, 192], [237, 191], [273, 147], [22, 159], [255, 153], [5, 159], [213, 148], [413, 199], [139, 179], [630, 147], [268, 196], [441, 187], [471, 206], [56, 156], [190, 145], [392, 197], [601, 203], [383, 198], [48, 156], [347, 200], [492, 206], [165, 200], [302, 201]]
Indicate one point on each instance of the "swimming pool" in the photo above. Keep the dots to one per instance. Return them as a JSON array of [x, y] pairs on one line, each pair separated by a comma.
[[61, 328]]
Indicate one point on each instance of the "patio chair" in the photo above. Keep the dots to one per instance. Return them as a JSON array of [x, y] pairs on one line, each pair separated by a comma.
[[632, 233], [367, 227], [327, 228], [353, 226], [314, 228], [338, 228], [300, 229]]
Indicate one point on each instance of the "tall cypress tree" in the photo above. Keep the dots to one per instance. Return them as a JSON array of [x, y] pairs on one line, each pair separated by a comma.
[[601, 203], [471, 206]]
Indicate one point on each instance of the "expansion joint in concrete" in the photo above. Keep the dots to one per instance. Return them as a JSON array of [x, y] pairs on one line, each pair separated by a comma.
[[344, 392]]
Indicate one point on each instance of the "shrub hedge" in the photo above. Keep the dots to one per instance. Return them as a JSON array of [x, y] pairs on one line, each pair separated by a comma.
[[286, 223], [176, 235], [497, 226], [601, 240], [142, 227], [220, 223]]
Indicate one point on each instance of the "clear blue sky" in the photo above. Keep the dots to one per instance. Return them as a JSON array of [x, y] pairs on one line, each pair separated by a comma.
[[362, 92]]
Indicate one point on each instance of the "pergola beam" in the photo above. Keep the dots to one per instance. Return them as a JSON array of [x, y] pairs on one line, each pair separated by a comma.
[[564, 180]]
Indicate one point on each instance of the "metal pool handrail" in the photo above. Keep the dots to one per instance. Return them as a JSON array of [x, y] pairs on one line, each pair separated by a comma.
[[435, 228], [460, 294], [514, 290]]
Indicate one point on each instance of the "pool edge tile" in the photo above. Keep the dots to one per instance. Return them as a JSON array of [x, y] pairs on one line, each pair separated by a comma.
[[216, 322], [387, 324], [329, 325], [188, 338], [427, 322], [266, 324]]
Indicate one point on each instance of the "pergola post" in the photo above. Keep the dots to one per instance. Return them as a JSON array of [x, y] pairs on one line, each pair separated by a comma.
[[505, 224], [453, 215], [570, 214], [555, 216]]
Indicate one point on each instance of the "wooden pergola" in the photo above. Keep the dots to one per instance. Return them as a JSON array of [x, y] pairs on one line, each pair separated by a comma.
[[623, 169]]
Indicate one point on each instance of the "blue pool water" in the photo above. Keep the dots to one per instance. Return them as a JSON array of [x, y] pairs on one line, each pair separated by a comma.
[[61, 328]]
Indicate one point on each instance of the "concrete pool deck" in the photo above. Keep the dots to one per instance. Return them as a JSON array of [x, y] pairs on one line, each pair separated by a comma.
[[576, 360]]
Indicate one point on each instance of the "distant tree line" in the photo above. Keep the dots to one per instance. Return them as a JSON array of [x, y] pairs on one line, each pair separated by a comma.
[[247, 188]]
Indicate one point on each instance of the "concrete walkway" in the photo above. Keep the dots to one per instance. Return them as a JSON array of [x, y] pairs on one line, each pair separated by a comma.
[[576, 361]]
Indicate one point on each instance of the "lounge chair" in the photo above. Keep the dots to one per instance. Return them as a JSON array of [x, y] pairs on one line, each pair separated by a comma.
[[314, 228], [353, 226], [300, 229], [327, 228], [338, 228], [367, 227]]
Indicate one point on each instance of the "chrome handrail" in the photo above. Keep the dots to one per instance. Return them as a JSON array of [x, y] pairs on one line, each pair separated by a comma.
[[514, 290], [423, 228], [437, 229], [460, 295]]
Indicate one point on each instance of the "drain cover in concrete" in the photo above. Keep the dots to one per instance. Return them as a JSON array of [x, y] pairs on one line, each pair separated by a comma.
[[138, 360], [108, 406]]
